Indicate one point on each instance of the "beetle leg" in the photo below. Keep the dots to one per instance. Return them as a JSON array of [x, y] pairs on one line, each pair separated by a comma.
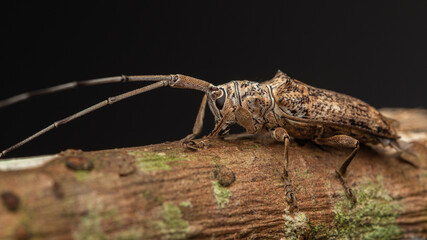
[[244, 119], [198, 124], [343, 141], [204, 143], [281, 135]]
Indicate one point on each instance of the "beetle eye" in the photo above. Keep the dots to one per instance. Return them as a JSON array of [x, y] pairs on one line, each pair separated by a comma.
[[219, 102]]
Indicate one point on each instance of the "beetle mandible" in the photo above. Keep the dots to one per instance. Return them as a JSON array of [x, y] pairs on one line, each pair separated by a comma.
[[284, 106]]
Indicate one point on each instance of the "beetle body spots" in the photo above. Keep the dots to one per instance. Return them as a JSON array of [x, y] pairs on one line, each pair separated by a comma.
[[301, 102]]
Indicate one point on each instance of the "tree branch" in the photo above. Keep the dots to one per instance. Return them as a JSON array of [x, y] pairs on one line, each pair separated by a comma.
[[231, 190]]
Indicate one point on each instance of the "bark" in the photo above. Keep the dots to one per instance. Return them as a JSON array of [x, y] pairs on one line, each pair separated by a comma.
[[232, 190]]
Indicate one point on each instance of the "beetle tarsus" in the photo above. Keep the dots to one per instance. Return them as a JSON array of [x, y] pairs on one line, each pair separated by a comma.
[[290, 196], [196, 145], [348, 191]]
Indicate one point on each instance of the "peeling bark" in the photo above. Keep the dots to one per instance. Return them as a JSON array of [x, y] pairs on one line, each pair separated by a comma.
[[232, 190]]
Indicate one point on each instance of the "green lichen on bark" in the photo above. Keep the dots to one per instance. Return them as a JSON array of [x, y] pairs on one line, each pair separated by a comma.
[[132, 234], [296, 226], [90, 227], [222, 194], [185, 204], [152, 161], [82, 175], [172, 225], [372, 217], [304, 174]]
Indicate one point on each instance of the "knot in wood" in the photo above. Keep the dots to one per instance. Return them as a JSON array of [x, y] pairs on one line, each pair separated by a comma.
[[10, 200], [224, 175], [78, 163]]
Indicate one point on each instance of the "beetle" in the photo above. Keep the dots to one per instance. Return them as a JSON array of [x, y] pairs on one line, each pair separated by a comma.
[[283, 106]]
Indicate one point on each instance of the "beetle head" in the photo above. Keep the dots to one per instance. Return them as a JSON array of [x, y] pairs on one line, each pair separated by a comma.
[[220, 102]]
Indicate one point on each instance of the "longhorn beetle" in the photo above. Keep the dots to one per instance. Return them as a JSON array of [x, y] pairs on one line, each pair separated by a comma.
[[283, 106]]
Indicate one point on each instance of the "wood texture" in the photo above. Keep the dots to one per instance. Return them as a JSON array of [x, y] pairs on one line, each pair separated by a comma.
[[232, 190]]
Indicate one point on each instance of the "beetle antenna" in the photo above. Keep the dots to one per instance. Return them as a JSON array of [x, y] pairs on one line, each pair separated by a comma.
[[76, 84], [99, 105]]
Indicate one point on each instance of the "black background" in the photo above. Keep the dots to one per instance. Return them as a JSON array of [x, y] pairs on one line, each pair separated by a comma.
[[373, 50]]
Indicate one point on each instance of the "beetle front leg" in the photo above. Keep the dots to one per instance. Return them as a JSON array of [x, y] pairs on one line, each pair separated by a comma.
[[281, 135], [204, 143], [342, 141], [198, 125]]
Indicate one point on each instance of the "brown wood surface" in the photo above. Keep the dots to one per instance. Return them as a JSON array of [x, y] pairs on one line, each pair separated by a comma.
[[232, 190]]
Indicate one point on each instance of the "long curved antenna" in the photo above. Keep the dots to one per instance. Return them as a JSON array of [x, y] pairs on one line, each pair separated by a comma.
[[174, 81], [76, 84], [99, 105]]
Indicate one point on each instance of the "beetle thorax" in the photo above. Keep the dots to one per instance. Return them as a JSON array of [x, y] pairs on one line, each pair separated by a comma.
[[254, 98]]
